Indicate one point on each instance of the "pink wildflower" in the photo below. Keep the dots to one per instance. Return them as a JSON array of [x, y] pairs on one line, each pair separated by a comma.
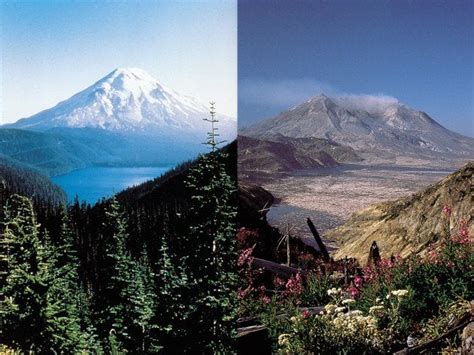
[[245, 257], [354, 292], [305, 314], [278, 281], [447, 210], [294, 284]]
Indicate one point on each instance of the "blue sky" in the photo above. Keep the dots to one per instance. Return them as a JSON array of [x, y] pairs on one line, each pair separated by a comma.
[[52, 49], [420, 52]]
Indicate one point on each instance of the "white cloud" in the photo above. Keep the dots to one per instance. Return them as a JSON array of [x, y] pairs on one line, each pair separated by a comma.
[[370, 103], [289, 92], [282, 93]]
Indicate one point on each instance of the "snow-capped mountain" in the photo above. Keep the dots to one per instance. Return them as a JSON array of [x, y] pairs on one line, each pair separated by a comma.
[[129, 100], [393, 130]]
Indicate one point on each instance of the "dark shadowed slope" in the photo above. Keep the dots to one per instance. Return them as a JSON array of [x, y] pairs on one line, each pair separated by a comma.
[[258, 156], [17, 179]]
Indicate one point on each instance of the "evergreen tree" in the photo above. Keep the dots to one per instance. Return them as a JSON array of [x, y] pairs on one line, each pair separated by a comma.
[[127, 299], [68, 301], [211, 245], [24, 323], [141, 299], [33, 317], [172, 309]]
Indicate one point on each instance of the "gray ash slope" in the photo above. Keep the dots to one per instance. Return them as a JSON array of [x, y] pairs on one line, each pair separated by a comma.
[[394, 133]]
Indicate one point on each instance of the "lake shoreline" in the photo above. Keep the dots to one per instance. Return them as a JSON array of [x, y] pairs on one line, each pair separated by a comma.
[[94, 183]]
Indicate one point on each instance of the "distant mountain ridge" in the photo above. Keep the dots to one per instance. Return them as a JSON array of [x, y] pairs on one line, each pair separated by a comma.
[[392, 132]]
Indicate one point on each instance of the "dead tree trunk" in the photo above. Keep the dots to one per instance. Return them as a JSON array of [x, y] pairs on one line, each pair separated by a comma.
[[374, 255], [319, 241]]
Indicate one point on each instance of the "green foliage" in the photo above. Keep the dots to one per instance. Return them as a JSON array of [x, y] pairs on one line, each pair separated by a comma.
[[39, 314], [419, 297], [435, 281], [153, 273], [18, 179], [315, 290], [172, 308], [127, 302], [211, 265]]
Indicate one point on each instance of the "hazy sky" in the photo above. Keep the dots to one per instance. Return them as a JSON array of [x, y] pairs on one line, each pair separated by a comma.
[[421, 52], [50, 50]]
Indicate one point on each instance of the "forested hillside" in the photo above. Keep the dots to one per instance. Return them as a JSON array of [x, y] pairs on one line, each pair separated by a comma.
[[150, 270], [18, 179], [52, 153]]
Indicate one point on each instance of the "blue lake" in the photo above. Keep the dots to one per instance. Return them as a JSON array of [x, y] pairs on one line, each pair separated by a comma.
[[94, 183]]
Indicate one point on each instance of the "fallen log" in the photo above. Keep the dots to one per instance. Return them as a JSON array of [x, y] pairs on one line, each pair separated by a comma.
[[245, 331], [319, 241], [280, 270], [246, 322], [253, 340], [437, 342]]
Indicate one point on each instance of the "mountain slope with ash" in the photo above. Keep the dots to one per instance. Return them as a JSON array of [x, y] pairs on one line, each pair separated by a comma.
[[392, 133], [408, 224], [313, 147]]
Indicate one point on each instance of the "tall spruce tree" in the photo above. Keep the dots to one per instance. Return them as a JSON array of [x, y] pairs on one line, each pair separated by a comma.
[[36, 317], [67, 297], [172, 307], [211, 264], [127, 300]]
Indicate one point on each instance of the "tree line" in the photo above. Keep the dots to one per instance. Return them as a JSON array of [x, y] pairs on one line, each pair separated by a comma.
[[140, 275]]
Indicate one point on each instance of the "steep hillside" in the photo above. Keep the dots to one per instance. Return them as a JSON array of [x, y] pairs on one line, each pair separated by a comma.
[[171, 186], [408, 224], [252, 199], [54, 153], [265, 157], [393, 133], [313, 147], [17, 179]]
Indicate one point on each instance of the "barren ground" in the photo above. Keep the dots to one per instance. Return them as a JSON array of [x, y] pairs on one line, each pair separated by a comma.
[[329, 196]]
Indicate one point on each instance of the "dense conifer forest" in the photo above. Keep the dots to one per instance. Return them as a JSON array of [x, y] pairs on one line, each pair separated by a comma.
[[150, 270]]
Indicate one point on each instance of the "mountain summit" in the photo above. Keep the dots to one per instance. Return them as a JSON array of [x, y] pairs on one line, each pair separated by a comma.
[[388, 131], [127, 100]]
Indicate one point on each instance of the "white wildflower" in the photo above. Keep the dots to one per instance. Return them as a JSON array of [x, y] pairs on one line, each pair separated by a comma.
[[329, 308], [400, 293], [374, 309], [348, 301], [283, 339], [334, 291], [355, 312]]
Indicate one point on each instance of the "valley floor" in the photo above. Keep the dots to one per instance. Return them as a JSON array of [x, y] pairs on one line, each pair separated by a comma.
[[329, 196]]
